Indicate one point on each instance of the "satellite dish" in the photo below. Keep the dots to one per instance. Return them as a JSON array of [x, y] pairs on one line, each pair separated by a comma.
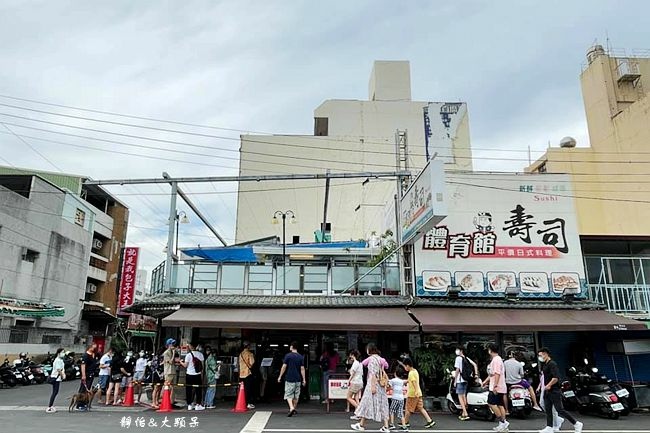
[[568, 142]]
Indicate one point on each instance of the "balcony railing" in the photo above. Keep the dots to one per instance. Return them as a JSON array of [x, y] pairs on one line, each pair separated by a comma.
[[298, 279], [626, 299]]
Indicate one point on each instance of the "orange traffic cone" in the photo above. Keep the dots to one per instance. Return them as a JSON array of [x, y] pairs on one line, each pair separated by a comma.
[[240, 405], [166, 404], [128, 395]]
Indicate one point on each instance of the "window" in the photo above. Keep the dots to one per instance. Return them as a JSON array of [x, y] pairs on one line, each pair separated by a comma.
[[29, 255], [321, 126], [18, 336], [80, 217], [51, 339]]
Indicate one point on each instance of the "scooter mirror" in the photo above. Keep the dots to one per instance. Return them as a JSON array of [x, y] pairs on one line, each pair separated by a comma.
[[595, 370], [586, 361]]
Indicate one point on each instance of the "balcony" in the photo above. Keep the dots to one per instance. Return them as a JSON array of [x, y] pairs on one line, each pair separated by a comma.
[[267, 279], [628, 300], [620, 283], [97, 274]]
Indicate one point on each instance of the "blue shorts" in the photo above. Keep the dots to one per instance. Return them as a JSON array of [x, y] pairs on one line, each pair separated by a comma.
[[103, 381], [461, 388]]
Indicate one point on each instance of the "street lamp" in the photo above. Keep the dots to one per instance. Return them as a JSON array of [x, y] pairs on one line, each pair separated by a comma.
[[181, 217], [292, 220]]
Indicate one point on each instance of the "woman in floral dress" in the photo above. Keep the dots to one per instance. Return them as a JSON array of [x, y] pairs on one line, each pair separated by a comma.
[[374, 403]]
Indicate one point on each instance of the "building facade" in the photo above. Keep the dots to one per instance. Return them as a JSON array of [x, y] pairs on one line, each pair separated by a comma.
[[349, 136], [44, 261], [105, 221], [611, 179]]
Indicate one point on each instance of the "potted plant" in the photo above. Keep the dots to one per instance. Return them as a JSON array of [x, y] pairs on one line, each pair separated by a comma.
[[432, 362]]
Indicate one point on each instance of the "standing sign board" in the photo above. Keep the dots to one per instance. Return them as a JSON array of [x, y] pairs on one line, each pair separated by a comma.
[[503, 231], [423, 204], [127, 279]]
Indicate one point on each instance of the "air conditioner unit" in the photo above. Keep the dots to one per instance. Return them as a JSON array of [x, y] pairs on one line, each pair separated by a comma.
[[91, 288], [97, 244]]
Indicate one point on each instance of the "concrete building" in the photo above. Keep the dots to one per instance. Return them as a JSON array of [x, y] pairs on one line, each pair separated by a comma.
[[43, 263], [105, 219], [349, 136], [611, 179]]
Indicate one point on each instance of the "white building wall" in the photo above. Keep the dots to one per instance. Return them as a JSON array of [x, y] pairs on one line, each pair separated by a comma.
[[361, 137], [58, 274]]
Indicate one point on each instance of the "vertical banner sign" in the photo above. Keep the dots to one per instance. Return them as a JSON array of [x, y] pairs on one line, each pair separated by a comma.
[[127, 281]]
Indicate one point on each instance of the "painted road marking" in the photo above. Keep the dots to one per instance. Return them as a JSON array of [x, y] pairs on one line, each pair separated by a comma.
[[257, 422]]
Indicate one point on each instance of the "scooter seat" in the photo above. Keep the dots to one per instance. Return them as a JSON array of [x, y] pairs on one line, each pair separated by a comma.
[[476, 389]]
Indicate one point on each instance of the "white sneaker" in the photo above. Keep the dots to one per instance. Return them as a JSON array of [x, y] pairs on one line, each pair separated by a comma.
[[199, 407], [578, 427], [355, 418], [190, 407], [251, 406], [546, 429], [557, 427], [384, 429], [50, 410], [505, 425], [357, 427]]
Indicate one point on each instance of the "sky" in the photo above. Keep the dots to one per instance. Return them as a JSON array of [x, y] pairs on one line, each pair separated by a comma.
[[264, 66]]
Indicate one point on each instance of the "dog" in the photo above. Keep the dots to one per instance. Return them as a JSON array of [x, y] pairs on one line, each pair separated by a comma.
[[84, 397]]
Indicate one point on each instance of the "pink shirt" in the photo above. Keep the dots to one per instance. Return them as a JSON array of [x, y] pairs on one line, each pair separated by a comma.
[[382, 361], [496, 367]]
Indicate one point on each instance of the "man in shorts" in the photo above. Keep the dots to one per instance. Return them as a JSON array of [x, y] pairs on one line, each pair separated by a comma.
[[515, 376], [294, 366], [169, 363], [414, 401], [497, 386]]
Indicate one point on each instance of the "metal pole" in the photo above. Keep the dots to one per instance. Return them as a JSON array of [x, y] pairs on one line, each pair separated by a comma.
[[176, 243], [327, 195], [284, 253], [271, 177], [170, 239]]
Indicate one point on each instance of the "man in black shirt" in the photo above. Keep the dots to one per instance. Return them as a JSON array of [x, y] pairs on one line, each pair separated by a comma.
[[552, 395], [89, 364]]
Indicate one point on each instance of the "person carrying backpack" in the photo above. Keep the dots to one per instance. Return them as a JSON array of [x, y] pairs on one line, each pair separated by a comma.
[[465, 374], [193, 364]]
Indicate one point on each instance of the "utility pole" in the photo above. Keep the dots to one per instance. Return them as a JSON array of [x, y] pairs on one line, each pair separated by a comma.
[[170, 238], [404, 253]]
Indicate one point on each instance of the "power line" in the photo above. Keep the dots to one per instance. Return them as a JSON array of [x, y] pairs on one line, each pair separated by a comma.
[[32, 147]]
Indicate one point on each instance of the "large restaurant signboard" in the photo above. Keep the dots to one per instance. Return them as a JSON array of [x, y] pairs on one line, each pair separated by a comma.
[[503, 231], [423, 203]]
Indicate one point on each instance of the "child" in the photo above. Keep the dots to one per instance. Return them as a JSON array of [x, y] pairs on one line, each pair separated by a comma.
[[414, 402], [397, 401]]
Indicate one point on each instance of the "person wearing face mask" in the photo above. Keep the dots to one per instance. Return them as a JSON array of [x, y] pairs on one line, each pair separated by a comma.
[[56, 377], [462, 378], [138, 376], [552, 394], [127, 368], [89, 364]]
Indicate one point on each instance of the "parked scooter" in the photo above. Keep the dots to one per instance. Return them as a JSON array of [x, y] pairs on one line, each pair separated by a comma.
[[519, 402], [7, 374], [477, 401], [591, 397], [71, 368]]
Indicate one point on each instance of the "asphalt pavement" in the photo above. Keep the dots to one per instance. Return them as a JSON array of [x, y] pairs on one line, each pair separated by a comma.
[[22, 409]]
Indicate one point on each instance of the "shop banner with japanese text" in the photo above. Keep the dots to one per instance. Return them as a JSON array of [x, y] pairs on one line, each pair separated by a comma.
[[127, 278], [503, 231]]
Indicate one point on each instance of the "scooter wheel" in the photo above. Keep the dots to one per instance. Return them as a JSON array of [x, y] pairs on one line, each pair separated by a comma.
[[614, 415], [452, 407]]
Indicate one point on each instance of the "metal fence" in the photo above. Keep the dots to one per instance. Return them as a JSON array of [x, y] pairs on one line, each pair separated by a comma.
[[633, 300], [19, 335]]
